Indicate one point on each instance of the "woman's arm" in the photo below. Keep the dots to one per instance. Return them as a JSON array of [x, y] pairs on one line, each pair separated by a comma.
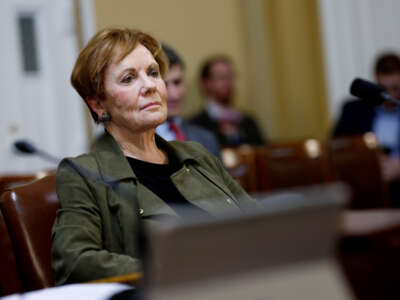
[[78, 251]]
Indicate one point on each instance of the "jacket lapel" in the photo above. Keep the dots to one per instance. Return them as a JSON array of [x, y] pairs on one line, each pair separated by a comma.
[[150, 204], [116, 170]]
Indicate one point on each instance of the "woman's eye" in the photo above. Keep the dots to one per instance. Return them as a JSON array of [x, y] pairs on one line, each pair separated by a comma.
[[127, 79], [154, 73]]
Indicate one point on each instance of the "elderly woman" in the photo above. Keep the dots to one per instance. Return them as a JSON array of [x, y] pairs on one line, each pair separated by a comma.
[[119, 74]]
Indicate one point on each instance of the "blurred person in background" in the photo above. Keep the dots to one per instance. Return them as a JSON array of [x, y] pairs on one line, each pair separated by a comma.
[[176, 128], [358, 117], [120, 76], [232, 127]]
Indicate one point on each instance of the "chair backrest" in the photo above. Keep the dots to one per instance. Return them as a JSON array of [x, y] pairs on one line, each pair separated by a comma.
[[29, 212], [297, 163], [355, 160], [241, 163], [10, 281], [11, 180]]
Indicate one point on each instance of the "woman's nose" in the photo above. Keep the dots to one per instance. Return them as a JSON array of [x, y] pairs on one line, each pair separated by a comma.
[[148, 84], [148, 81]]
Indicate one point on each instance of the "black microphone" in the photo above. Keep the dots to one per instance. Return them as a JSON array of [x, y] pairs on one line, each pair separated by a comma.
[[26, 147], [370, 92]]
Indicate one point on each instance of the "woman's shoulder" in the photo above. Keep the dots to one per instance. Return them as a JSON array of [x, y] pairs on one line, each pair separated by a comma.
[[85, 159], [80, 164]]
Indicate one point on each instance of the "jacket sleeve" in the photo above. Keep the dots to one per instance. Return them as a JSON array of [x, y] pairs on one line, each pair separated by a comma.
[[78, 254], [356, 118]]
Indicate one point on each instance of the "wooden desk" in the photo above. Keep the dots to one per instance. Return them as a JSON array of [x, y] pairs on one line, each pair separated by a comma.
[[369, 253], [132, 279]]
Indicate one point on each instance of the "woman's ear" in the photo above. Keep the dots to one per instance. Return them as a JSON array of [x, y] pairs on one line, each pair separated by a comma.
[[96, 105]]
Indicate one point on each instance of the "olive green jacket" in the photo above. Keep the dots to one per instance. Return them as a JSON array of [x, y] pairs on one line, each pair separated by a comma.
[[95, 234]]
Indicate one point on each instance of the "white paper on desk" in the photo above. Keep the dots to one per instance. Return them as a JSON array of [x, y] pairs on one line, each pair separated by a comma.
[[98, 291]]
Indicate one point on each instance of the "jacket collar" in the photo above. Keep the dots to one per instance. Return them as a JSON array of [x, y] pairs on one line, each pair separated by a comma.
[[111, 160], [114, 166], [179, 148]]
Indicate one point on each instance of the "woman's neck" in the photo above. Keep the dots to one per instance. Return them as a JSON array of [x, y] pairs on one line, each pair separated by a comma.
[[139, 145]]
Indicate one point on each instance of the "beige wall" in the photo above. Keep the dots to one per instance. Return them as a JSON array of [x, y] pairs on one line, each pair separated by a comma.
[[196, 29], [274, 43]]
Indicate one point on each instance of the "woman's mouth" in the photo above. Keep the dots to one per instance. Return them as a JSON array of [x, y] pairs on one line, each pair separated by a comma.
[[151, 105]]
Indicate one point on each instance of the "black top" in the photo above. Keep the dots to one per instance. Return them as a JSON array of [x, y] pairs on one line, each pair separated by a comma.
[[157, 178]]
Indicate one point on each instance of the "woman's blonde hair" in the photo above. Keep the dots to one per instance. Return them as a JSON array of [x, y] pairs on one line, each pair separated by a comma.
[[89, 71]]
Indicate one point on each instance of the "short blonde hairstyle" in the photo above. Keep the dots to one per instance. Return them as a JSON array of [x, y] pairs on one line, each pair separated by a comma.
[[89, 71]]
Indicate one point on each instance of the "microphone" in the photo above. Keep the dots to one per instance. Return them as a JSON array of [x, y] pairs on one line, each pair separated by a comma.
[[26, 147], [370, 92]]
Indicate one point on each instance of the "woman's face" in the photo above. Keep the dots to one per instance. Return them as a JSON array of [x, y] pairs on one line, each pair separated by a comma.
[[135, 92]]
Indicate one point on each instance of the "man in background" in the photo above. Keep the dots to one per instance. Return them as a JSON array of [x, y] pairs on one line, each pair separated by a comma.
[[359, 117], [176, 128], [232, 127]]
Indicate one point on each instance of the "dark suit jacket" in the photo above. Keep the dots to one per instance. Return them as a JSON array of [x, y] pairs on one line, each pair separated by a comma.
[[198, 134], [357, 117], [249, 130]]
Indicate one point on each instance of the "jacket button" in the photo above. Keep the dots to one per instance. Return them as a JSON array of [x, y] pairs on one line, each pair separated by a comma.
[[229, 201], [141, 211]]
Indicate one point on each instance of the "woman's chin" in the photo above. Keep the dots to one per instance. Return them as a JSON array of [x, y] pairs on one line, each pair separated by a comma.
[[163, 116], [154, 121]]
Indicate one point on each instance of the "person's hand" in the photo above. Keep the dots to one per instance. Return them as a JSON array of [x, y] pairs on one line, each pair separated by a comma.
[[390, 168]]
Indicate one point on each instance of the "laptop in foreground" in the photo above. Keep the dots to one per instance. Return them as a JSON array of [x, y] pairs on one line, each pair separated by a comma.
[[283, 251]]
